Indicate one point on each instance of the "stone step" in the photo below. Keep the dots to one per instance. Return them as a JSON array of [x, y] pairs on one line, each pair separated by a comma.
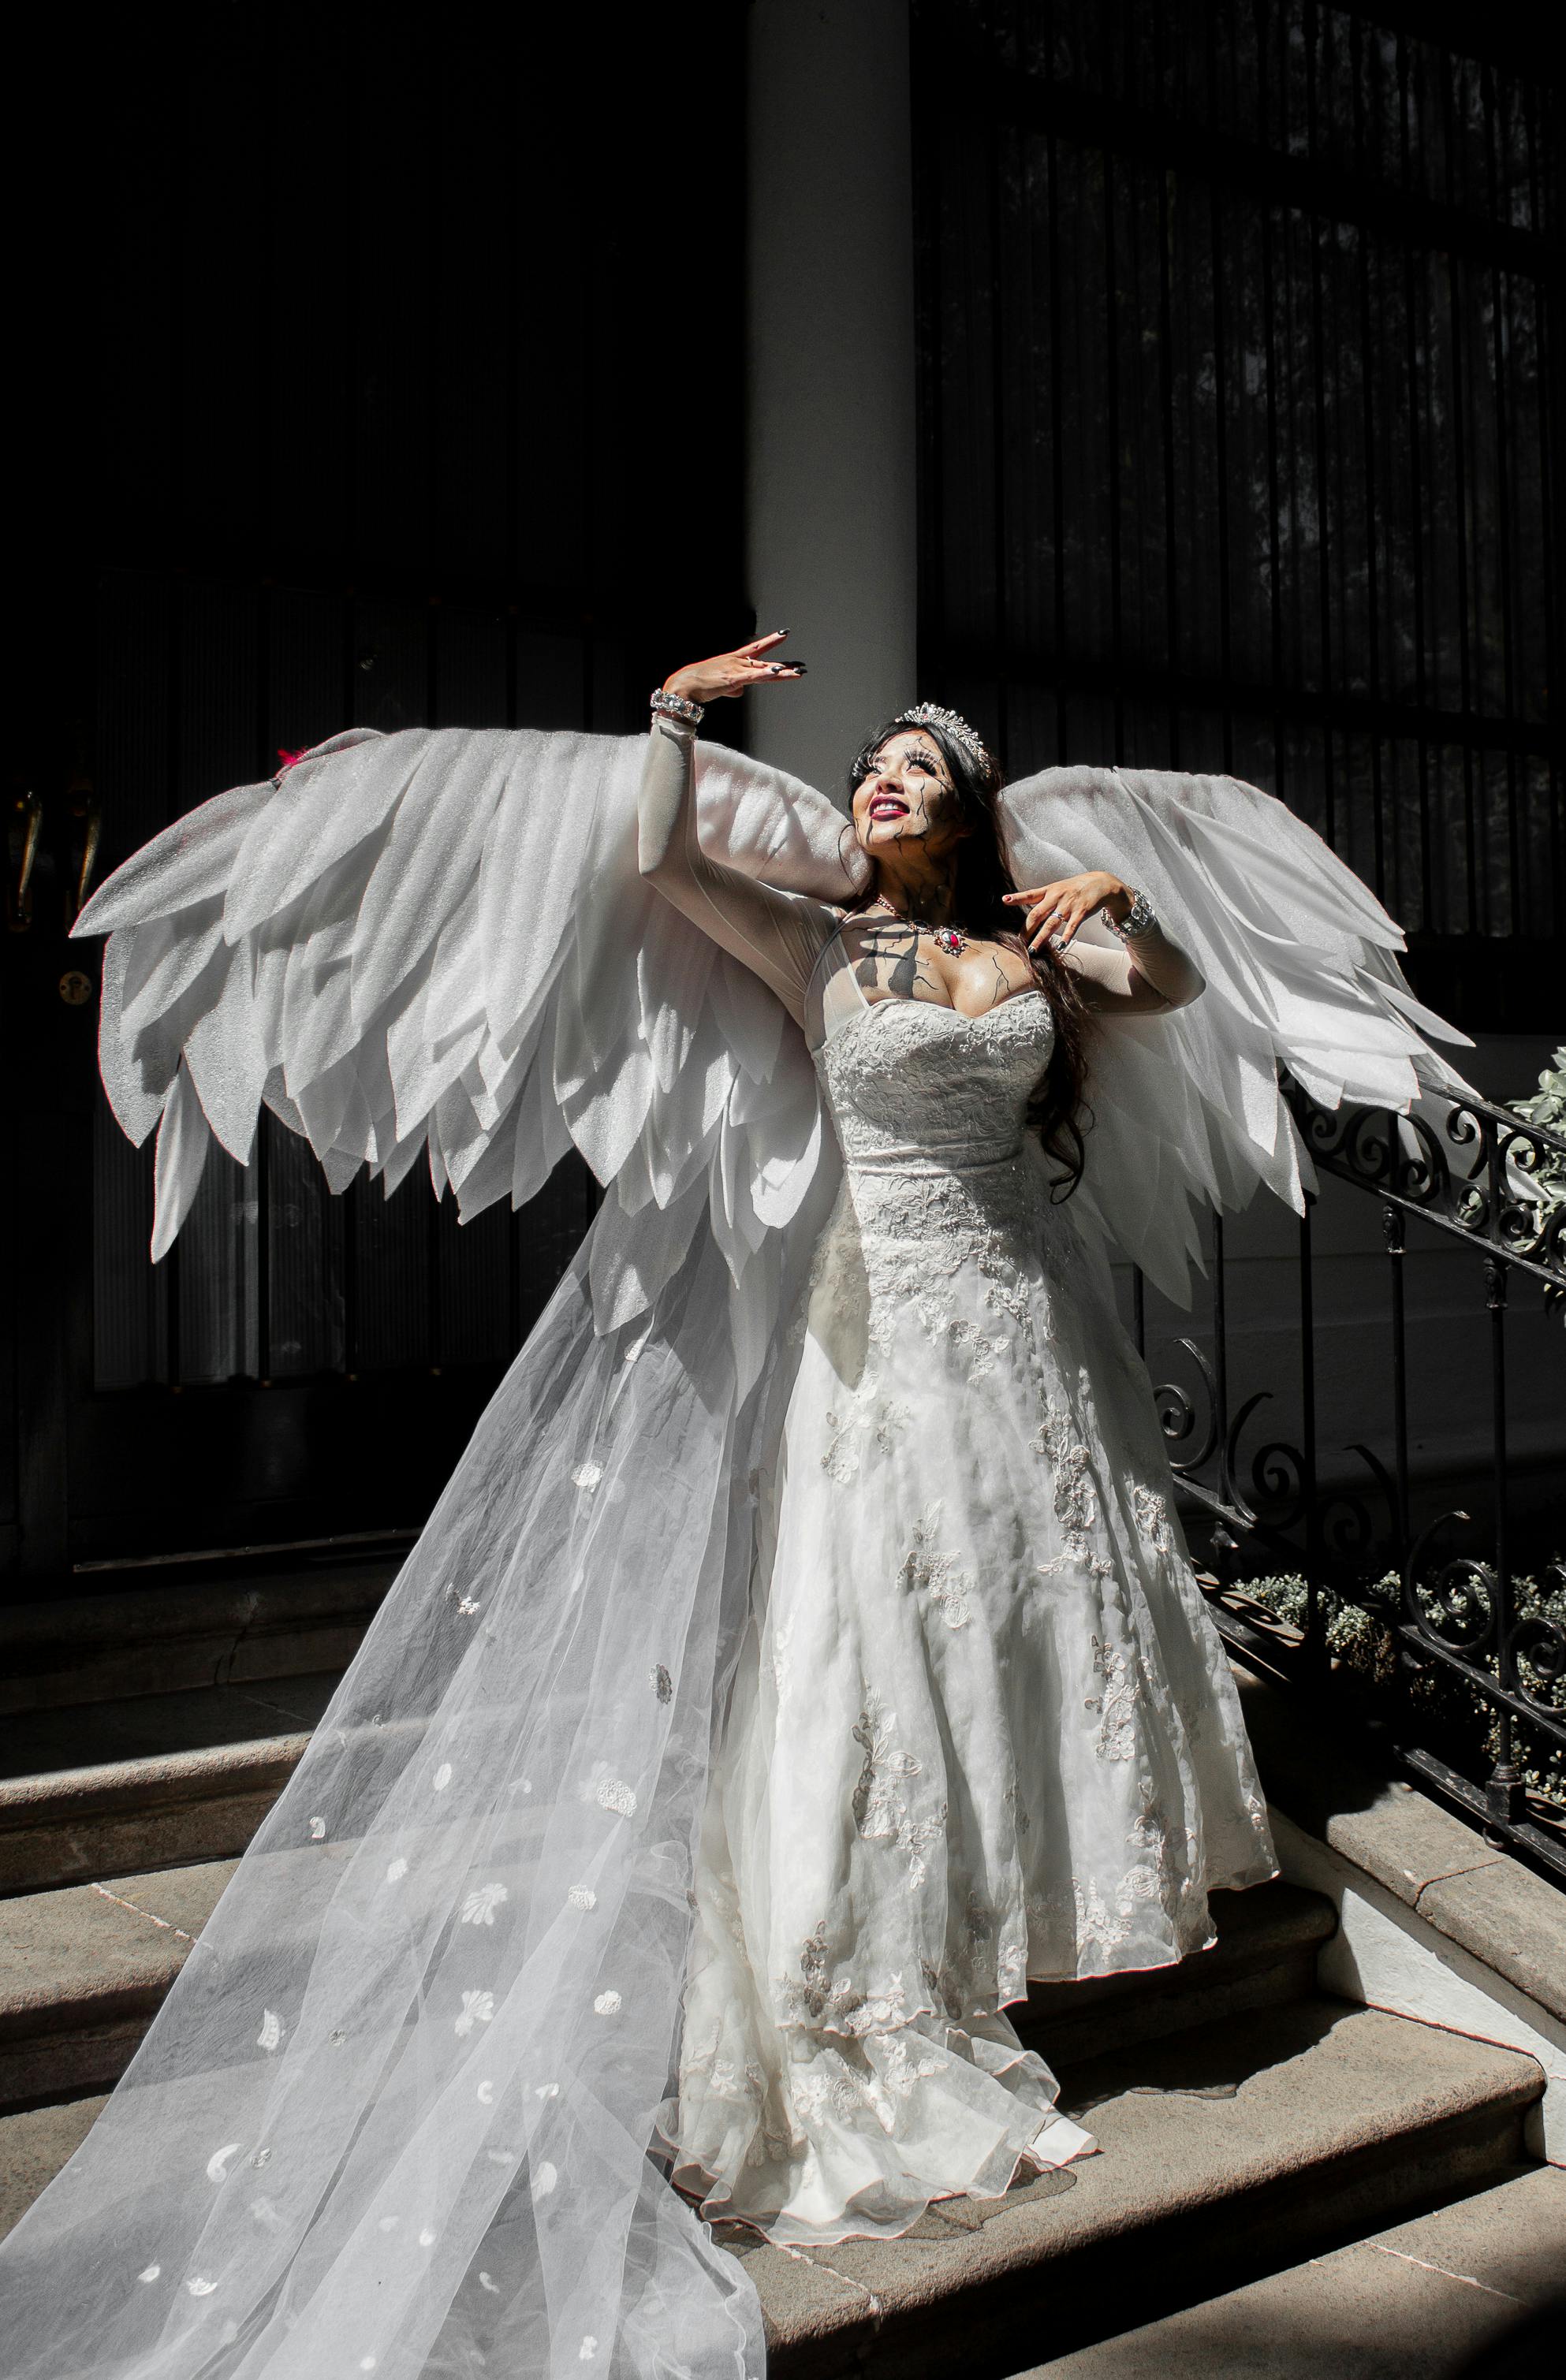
[[84, 1969], [98, 1789], [1411, 2303], [34, 2145], [1231, 2147], [1265, 1954], [157, 1639], [1225, 2151]]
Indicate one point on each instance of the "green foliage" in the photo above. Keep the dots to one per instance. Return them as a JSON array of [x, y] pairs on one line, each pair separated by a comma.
[[1359, 1635]]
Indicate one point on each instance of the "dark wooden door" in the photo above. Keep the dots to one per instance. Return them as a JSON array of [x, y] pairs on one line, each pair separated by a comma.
[[384, 369]]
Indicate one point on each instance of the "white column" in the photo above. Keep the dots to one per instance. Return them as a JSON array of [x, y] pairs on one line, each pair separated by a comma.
[[830, 529]]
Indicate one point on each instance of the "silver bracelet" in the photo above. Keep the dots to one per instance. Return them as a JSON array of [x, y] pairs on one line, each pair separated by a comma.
[[1139, 919], [675, 706]]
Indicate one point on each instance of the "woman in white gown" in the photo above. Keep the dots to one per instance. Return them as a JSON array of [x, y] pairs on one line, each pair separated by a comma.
[[982, 1729], [803, 1654]]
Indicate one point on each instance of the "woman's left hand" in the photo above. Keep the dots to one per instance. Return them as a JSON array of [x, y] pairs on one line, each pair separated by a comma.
[[1055, 911]]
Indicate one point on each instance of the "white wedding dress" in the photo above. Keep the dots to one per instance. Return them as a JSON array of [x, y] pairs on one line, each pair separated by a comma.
[[801, 1655], [982, 1728]]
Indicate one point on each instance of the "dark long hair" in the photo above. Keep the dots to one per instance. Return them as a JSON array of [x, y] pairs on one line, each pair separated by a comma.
[[1058, 1111]]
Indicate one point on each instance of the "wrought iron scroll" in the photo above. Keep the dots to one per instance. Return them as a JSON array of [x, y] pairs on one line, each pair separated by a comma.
[[1480, 1174], [1465, 1165]]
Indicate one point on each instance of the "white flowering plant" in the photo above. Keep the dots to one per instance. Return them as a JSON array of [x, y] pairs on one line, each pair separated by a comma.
[[1546, 1189]]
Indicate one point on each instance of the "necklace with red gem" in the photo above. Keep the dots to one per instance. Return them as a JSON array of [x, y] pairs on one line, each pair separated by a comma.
[[950, 939]]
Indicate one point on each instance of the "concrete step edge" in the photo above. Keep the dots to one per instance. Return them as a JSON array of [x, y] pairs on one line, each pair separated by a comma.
[[96, 1648], [75, 1796], [71, 1991], [1416, 2298], [981, 2290]]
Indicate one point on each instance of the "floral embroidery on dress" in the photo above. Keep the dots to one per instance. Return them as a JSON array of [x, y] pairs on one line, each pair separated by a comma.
[[478, 1907], [478, 2007], [881, 1813], [899, 2071], [1095, 1921], [1076, 1505], [936, 1574], [610, 1792], [838, 2091], [1116, 1706], [1151, 1512], [663, 1684], [877, 1418], [269, 2037], [836, 2006]]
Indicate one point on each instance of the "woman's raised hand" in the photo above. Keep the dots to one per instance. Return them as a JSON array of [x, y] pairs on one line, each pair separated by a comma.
[[1055, 911], [732, 673]]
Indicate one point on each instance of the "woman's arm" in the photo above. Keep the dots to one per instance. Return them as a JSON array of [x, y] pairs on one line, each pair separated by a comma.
[[777, 936], [1148, 974]]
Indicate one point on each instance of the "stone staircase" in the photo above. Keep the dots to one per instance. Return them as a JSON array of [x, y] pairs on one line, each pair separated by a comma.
[[1249, 2125]]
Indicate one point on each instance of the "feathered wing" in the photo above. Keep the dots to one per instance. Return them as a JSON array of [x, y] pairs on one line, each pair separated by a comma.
[[397, 2109], [435, 946], [1300, 968]]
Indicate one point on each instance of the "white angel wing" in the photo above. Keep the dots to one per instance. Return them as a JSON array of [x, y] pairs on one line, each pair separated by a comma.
[[1299, 966], [437, 944]]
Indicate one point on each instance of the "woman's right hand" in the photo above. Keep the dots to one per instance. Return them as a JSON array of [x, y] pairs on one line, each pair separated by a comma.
[[732, 673]]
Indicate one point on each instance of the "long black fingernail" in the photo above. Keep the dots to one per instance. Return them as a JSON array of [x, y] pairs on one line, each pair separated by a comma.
[[799, 668]]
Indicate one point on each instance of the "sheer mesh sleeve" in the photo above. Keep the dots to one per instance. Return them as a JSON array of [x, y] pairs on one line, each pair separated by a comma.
[[778, 935], [1142, 977]]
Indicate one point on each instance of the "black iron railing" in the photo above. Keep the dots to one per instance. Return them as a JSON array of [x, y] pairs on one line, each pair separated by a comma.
[[1368, 1542]]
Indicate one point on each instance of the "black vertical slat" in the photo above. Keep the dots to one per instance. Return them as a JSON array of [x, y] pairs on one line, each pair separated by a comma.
[[1166, 412], [1269, 368], [1391, 1228], [1221, 427], [1111, 396], [1503, 1791], [1500, 301], [1062, 639], [1319, 382], [261, 1188], [1367, 350], [1002, 151], [1315, 1641], [1545, 299], [1416, 403], [1459, 523]]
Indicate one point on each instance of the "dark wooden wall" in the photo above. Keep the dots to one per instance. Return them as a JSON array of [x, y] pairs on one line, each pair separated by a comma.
[[381, 365]]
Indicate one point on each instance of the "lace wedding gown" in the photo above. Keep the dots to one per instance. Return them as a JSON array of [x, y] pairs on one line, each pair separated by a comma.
[[982, 1728], [802, 1655]]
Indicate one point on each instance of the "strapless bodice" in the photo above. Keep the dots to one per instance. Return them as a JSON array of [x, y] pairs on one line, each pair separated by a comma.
[[915, 1086]]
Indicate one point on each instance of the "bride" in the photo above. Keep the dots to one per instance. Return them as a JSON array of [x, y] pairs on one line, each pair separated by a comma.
[[804, 1655]]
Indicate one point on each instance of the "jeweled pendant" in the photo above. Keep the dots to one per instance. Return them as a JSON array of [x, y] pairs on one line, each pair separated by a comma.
[[950, 939]]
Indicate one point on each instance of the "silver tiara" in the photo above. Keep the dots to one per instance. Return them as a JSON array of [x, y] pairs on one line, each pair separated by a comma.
[[935, 715]]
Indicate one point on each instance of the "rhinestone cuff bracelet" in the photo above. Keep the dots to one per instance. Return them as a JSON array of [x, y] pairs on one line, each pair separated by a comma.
[[675, 705], [1139, 919]]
